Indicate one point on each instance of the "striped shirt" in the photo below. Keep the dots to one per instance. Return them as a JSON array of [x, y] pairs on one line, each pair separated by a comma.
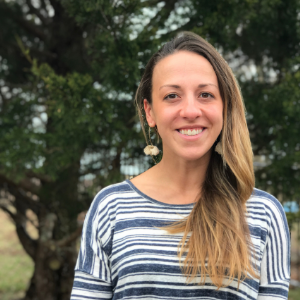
[[125, 254]]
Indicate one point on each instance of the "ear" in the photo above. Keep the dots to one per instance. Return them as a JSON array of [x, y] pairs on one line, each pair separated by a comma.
[[149, 113]]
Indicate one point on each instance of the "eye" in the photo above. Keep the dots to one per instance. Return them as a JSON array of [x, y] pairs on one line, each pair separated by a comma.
[[206, 95], [171, 96]]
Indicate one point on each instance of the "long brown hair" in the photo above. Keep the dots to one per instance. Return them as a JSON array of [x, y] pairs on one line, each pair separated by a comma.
[[216, 240]]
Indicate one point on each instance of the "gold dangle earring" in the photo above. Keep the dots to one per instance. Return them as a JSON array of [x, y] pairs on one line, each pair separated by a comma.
[[150, 149]]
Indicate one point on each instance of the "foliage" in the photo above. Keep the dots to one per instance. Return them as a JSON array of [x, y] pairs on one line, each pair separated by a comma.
[[69, 70], [68, 73]]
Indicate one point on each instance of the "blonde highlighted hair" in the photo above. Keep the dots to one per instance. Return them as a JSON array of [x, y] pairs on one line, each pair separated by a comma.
[[216, 238]]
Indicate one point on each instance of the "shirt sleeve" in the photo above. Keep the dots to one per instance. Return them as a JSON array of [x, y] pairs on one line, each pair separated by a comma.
[[86, 286], [275, 264], [92, 271]]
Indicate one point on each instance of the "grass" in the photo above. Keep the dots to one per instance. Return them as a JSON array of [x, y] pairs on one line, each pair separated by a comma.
[[11, 295], [16, 266], [294, 294], [15, 272]]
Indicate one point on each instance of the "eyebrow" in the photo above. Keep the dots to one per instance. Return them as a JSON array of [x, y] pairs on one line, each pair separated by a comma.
[[178, 86]]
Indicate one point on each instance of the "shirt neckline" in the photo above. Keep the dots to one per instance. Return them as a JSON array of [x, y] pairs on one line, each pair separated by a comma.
[[156, 201]]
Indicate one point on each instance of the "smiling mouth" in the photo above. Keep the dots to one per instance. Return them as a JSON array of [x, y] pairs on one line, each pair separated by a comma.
[[190, 132]]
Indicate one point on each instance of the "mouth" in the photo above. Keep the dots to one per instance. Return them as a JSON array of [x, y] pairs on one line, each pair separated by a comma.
[[191, 131]]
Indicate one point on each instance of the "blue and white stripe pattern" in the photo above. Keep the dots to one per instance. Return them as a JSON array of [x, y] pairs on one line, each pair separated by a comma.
[[125, 255]]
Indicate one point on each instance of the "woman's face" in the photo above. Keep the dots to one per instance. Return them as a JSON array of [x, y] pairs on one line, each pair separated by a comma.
[[186, 105]]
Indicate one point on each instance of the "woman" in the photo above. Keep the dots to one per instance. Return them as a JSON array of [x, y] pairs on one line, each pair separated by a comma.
[[193, 226]]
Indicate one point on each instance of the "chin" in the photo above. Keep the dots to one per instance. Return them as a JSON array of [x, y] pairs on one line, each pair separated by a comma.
[[195, 156]]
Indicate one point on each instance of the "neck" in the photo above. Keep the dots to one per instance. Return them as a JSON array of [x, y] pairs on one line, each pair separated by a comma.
[[186, 176]]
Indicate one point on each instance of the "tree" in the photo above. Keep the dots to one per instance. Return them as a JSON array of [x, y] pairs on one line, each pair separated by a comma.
[[69, 70], [260, 40]]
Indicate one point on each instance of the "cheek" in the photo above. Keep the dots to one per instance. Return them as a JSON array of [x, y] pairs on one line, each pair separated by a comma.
[[215, 115], [164, 118]]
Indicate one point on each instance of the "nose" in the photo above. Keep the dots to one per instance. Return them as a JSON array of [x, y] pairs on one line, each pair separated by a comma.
[[190, 108]]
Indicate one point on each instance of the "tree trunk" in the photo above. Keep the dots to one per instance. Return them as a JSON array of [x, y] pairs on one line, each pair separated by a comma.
[[53, 274], [55, 251]]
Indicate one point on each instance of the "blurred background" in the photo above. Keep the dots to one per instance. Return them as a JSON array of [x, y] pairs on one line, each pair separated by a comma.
[[69, 70]]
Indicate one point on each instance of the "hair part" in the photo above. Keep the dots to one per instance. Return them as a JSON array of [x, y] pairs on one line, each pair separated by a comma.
[[219, 245]]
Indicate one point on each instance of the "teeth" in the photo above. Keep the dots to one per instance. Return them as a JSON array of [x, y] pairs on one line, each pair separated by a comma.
[[190, 132]]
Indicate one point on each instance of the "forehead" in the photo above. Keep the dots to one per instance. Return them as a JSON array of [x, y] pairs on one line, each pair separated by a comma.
[[183, 67]]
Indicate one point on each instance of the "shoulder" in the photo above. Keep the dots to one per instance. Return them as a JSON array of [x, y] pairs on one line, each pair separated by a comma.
[[265, 200], [111, 194], [105, 202], [102, 212], [117, 188], [263, 206]]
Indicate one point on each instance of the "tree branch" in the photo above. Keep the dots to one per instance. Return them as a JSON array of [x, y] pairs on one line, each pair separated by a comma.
[[36, 12], [27, 242], [26, 184], [90, 170], [22, 200], [29, 186], [42, 52], [104, 17], [28, 26], [15, 85], [4, 101], [69, 239], [42, 177], [56, 7], [5, 209], [44, 5]]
